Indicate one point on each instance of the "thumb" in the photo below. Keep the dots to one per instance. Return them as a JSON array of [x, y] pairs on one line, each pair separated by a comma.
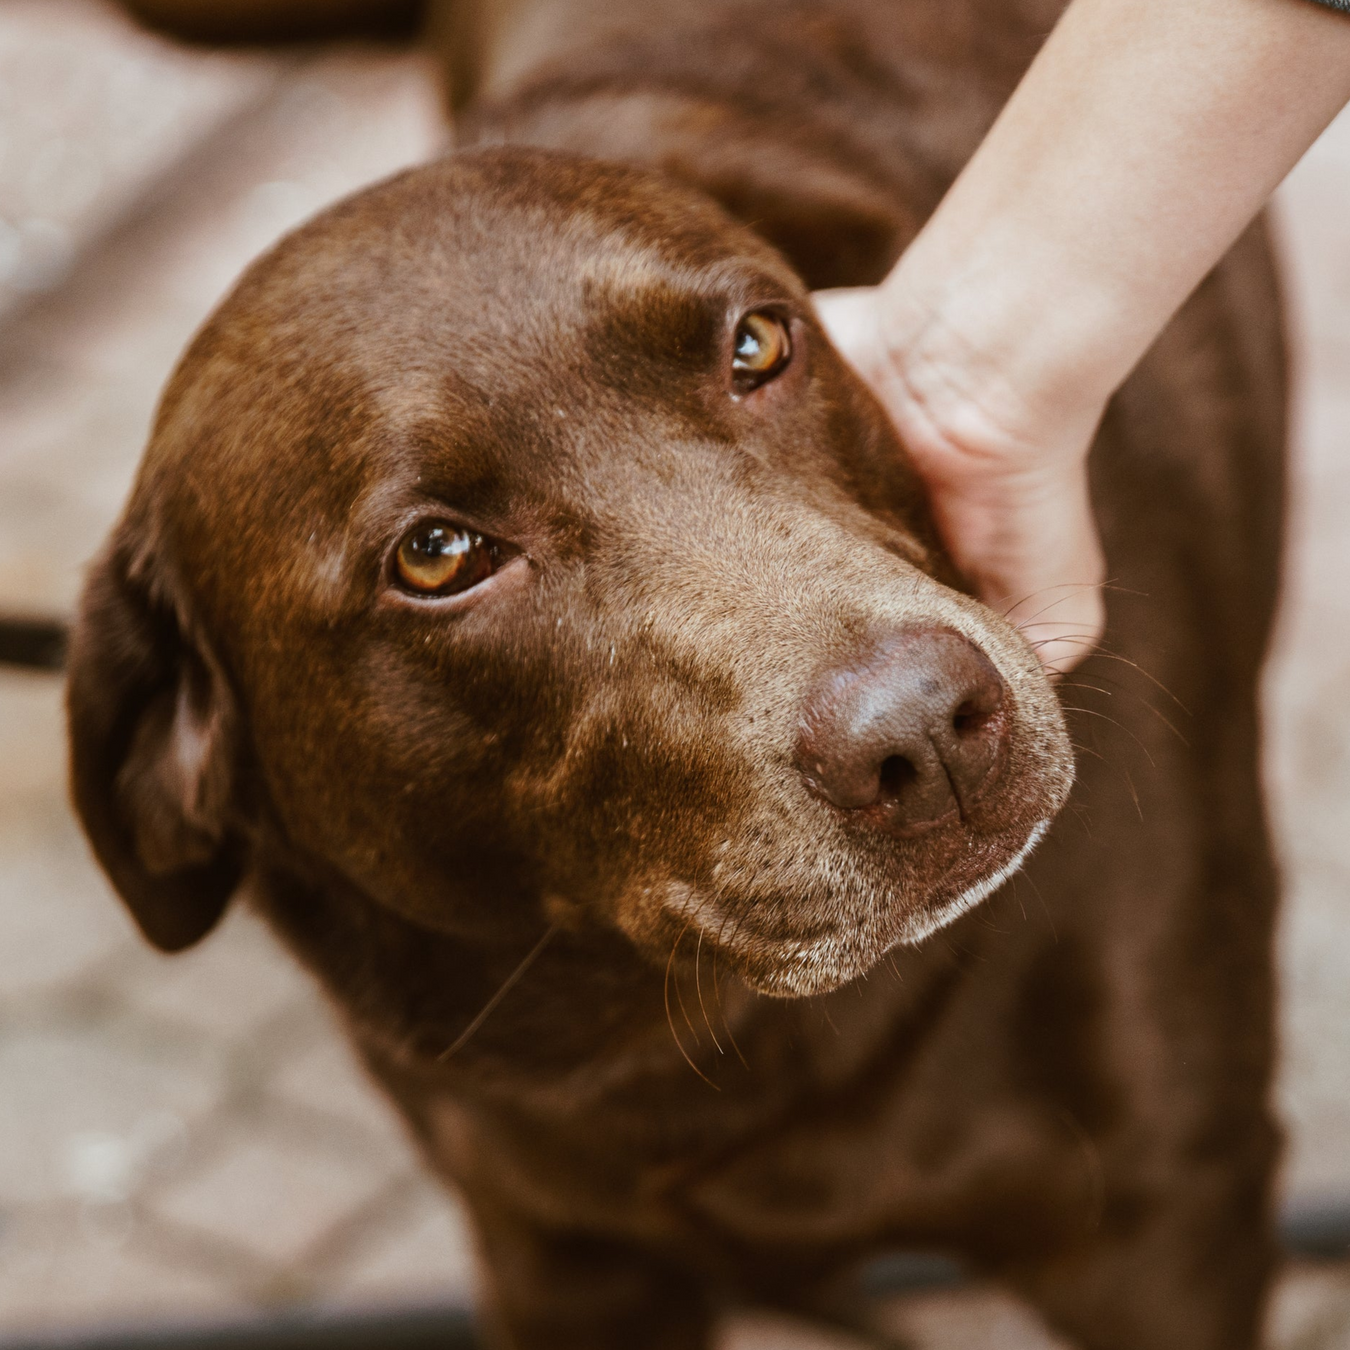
[[1012, 506], [1028, 542], [851, 317]]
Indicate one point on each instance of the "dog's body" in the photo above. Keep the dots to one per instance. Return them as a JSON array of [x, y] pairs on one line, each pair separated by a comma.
[[1068, 1086]]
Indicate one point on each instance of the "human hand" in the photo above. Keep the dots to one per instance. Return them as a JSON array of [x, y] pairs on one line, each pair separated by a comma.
[[1005, 467], [1141, 141]]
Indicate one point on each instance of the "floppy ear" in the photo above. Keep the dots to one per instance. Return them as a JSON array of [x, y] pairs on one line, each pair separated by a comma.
[[153, 748]]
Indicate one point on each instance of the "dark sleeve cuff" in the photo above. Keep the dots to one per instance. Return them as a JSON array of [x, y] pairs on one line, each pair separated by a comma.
[[1342, 5]]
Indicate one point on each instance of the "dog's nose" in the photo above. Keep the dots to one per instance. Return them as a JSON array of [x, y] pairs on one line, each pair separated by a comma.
[[909, 736]]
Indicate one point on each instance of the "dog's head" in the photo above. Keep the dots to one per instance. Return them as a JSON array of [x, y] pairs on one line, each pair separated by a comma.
[[512, 544]]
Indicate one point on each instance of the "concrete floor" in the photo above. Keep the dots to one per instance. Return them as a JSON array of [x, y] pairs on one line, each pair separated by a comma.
[[187, 1138]]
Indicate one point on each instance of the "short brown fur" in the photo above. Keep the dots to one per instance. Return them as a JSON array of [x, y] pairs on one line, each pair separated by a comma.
[[594, 751]]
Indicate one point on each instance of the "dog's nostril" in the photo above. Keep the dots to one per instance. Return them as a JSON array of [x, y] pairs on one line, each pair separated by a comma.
[[897, 773], [910, 735], [970, 718]]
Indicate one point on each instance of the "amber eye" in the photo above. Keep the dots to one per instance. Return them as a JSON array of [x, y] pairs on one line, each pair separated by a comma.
[[761, 349], [437, 558]]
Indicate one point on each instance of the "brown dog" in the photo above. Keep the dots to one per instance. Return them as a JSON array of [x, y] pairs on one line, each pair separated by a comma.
[[527, 609]]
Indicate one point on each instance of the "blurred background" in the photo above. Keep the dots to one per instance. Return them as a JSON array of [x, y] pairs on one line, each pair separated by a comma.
[[185, 1142]]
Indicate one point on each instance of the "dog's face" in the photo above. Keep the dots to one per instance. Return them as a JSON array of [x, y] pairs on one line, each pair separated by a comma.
[[512, 544]]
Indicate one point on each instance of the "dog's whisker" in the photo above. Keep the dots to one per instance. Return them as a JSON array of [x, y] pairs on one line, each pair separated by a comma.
[[1045, 609], [895, 969], [1092, 1164], [1092, 712], [1157, 712], [698, 987], [1074, 639], [1045, 906], [1061, 640], [507, 985], [1096, 754], [1140, 699], [1071, 586], [684, 1012], [1079, 683], [1054, 623], [717, 992], [1083, 684], [1129, 783], [1088, 750], [1151, 678], [1081, 815], [721, 1012], [665, 991], [670, 1019]]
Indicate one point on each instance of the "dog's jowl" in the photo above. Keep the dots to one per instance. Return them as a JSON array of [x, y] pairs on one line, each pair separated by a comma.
[[525, 609]]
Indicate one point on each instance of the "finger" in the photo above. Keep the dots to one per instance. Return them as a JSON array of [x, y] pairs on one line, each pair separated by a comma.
[[1024, 537], [850, 317], [1030, 547]]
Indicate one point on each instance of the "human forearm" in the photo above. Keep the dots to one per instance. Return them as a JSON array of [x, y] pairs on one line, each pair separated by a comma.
[[1144, 138]]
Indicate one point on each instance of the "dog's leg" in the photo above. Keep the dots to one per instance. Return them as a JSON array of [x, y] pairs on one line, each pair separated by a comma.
[[838, 1305], [1191, 1280], [574, 1291], [1181, 1251], [1163, 1065], [858, 1317]]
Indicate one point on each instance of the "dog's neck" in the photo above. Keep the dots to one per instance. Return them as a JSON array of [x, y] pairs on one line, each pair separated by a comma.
[[587, 1018], [420, 993], [835, 182]]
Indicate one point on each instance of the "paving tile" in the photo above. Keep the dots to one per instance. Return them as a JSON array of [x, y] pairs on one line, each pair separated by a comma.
[[93, 358], [763, 1331], [1308, 686], [32, 743], [183, 1136], [59, 920], [978, 1319], [421, 1253], [58, 1272], [87, 1100], [1302, 1301], [326, 1078], [228, 987], [1317, 264], [57, 915], [1311, 1311], [81, 138], [274, 1197]]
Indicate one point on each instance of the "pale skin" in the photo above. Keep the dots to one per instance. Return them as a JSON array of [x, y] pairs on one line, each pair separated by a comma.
[[1143, 139]]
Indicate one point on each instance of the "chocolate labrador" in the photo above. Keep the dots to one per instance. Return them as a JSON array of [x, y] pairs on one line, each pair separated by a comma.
[[528, 612]]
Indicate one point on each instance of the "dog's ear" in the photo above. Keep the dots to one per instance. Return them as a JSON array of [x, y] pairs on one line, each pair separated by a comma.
[[153, 755]]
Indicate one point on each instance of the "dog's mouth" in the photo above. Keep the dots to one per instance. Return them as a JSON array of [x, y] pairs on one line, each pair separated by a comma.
[[777, 954]]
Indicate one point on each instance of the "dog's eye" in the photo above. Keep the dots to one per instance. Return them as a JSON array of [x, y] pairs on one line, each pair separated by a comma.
[[761, 349], [437, 558]]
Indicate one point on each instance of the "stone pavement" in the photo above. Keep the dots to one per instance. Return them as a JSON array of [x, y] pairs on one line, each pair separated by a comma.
[[187, 1138]]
